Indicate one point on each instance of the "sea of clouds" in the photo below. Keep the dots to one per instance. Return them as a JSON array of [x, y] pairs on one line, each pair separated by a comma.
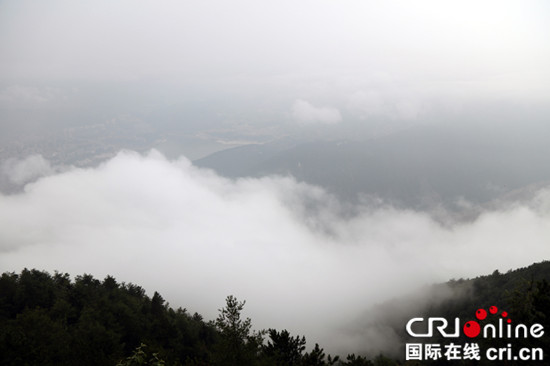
[[300, 259]]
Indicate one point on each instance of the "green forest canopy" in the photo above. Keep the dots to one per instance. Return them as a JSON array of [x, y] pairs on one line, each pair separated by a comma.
[[52, 320]]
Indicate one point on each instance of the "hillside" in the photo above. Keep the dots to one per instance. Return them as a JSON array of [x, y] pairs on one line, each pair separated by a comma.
[[51, 320], [416, 168]]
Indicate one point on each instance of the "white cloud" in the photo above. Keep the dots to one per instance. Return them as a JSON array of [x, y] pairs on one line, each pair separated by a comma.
[[305, 113], [283, 246], [26, 170]]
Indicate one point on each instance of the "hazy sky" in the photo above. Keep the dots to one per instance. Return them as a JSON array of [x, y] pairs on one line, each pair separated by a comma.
[[397, 59]]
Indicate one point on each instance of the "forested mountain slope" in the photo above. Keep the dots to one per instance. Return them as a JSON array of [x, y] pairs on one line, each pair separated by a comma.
[[53, 320]]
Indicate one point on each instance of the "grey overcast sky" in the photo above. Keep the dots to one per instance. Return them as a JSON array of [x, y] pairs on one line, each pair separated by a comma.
[[358, 55]]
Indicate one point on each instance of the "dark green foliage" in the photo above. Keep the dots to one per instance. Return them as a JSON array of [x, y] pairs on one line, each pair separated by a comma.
[[530, 304], [283, 349], [353, 360], [237, 344], [140, 357], [51, 320], [382, 360], [493, 289], [316, 357], [524, 293]]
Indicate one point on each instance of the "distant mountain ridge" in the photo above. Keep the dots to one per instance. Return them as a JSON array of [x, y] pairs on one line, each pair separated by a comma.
[[417, 168]]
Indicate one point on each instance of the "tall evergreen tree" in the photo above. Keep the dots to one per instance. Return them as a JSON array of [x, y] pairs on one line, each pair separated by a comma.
[[237, 345], [283, 349]]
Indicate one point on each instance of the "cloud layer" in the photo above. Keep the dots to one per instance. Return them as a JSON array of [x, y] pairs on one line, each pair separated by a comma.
[[285, 247], [26, 170], [305, 113]]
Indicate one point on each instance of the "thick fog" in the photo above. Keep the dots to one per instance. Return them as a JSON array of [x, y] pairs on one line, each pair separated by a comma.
[[298, 258], [215, 64]]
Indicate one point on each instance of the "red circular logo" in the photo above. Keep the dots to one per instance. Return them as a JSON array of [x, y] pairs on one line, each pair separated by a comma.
[[472, 329], [481, 314]]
